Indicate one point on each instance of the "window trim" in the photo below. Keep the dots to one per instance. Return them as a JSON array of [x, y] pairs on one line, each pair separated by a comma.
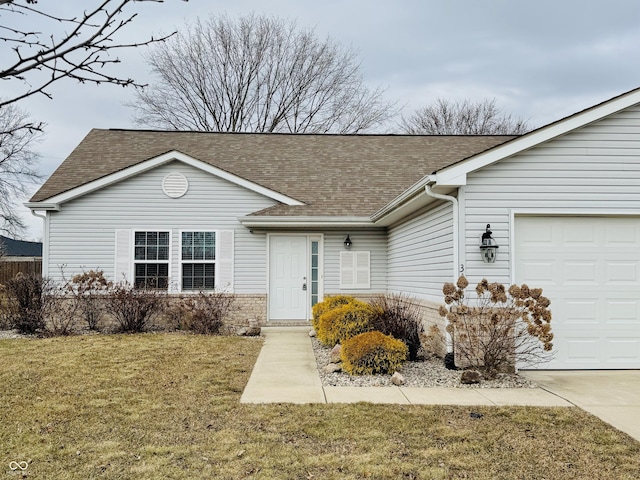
[[214, 262]]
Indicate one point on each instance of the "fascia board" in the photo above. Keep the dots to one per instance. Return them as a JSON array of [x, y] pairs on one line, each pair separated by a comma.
[[161, 160], [455, 175], [305, 222], [42, 206]]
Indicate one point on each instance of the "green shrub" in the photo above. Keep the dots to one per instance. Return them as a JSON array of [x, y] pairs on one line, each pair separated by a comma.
[[327, 304], [346, 321], [399, 315], [372, 352]]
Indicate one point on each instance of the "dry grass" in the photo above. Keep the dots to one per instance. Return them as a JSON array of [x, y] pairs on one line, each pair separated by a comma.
[[167, 406]]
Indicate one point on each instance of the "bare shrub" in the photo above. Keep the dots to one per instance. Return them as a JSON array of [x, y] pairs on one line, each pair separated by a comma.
[[90, 290], [502, 327], [202, 313], [400, 316], [433, 341], [26, 302], [135, 309]]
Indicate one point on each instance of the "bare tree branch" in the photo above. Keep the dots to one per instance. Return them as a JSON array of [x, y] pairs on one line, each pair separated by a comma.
[[80, 53], [257, 74], [18, 135], [464, 117]]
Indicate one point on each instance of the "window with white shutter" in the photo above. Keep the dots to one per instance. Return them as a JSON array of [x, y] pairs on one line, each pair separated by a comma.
[[355, 271]]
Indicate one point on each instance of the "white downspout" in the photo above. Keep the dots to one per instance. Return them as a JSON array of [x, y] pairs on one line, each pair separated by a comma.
[[45, 243], [456, 256]]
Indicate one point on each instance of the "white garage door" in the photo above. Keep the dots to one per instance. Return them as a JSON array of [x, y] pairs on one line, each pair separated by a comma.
[[590, 269]]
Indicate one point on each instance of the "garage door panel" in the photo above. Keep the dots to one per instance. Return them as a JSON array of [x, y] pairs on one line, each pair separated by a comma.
[[621, 312], [622, 234], [579, 273], [539, 271], [582, 349], [584, 235], [623, 349], [621, 272], [579, 311], [589, 267]]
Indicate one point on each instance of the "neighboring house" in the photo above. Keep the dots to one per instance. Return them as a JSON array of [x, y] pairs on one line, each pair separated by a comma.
[[266, 216], [19, 256], [19, 250]]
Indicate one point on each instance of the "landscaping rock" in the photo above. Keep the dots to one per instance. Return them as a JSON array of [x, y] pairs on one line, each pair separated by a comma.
[[470, 377], [251, 331], [332, 368], [312, 333], [334, 355], [397, 379]]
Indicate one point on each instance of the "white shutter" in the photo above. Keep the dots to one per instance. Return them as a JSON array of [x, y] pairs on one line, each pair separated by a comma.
[[363, 278], [355, 270], [224, 260], [122, 265]]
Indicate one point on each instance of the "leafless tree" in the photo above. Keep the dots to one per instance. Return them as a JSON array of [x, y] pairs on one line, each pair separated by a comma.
[[78, 48], [463, 117], [19, 134], [258, 74]]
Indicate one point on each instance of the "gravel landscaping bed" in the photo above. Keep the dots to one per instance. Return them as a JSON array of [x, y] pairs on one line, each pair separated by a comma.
[[428, 373], [11, 334]]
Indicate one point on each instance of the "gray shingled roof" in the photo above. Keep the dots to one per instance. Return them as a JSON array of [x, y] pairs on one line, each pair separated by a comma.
[[344, 175], [19, 248]]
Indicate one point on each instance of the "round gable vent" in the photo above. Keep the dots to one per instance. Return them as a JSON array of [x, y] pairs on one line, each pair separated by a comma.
[[175, 185]]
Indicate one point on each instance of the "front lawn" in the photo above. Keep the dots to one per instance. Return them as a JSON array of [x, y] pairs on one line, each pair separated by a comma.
[[166, 406]]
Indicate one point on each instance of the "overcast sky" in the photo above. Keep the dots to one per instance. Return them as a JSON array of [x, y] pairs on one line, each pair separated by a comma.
[[541, 60]]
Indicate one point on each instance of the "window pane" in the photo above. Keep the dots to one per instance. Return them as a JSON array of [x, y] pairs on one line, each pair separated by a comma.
[[314, 248], [140, 238], [198, 276], [152, 252], [152, 238], [163, 253], [151, 275], [140, 253]]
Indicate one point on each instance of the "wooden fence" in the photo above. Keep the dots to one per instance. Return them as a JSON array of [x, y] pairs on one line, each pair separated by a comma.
[[9, 269]]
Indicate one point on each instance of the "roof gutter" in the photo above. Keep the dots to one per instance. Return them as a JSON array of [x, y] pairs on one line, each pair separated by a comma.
[[42, 206], [455, 246], [305, 222]]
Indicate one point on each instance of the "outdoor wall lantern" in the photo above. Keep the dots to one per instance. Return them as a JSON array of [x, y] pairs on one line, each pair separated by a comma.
[[488, 246], [347, 242]]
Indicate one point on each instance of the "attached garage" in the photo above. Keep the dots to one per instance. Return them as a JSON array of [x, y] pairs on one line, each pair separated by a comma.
[[589, 266]]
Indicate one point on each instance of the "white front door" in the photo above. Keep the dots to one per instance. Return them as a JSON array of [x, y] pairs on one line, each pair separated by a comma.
[[288, 289]]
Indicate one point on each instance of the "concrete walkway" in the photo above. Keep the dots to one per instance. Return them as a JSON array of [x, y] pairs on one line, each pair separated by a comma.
[[286, 372], [611, 395]]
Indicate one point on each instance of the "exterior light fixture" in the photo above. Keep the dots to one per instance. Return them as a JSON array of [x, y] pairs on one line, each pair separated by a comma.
[[347, 243], [488, 246]]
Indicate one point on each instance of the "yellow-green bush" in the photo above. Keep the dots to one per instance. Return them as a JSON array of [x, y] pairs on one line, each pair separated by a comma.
[[343, 322], [372, 352], [327, 304]]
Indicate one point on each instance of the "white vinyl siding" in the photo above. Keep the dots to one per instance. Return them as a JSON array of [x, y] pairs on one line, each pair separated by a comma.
[[420, 253], [372, 241], [593, 169], [82, 235]]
